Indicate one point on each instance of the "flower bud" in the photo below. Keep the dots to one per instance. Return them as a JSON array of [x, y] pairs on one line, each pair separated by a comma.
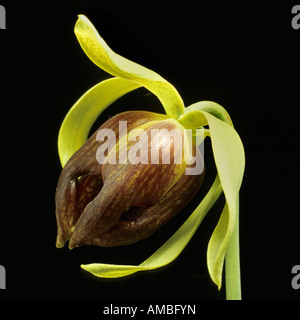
[[119, 190]]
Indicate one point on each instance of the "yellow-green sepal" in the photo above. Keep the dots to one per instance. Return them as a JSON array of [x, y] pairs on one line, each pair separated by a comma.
[[230, 161], [170, 250], [105, 58], [76, 126], [194, 119]]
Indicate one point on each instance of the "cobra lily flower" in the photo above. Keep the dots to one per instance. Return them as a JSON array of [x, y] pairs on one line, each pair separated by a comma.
[[121, 203], [109, 203]]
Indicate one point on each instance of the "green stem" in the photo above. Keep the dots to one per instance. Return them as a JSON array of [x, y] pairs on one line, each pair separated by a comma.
[[232, 265]]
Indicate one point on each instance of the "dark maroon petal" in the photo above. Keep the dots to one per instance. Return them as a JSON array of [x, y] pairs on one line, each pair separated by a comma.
[[84, 163], [139, 223], [127, 185]]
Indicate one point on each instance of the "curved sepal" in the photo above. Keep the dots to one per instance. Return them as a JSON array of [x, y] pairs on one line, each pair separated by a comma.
[[101, 54], [194, 118], [76, 126], [212, 108], [230, 162], [227, 149], [168, 251]]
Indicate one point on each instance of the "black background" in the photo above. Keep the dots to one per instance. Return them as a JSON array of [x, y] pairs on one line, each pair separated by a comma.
[[244, 56]]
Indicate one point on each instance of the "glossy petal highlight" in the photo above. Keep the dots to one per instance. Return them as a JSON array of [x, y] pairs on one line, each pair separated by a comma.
[[81, 182], [94, 200]]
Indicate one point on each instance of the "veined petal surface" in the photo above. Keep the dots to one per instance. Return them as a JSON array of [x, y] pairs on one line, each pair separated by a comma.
[[167, 252], [230, 161]]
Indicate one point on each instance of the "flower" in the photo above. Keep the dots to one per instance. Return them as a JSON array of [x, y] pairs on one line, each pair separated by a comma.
[[80, 184], [114, 204]]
